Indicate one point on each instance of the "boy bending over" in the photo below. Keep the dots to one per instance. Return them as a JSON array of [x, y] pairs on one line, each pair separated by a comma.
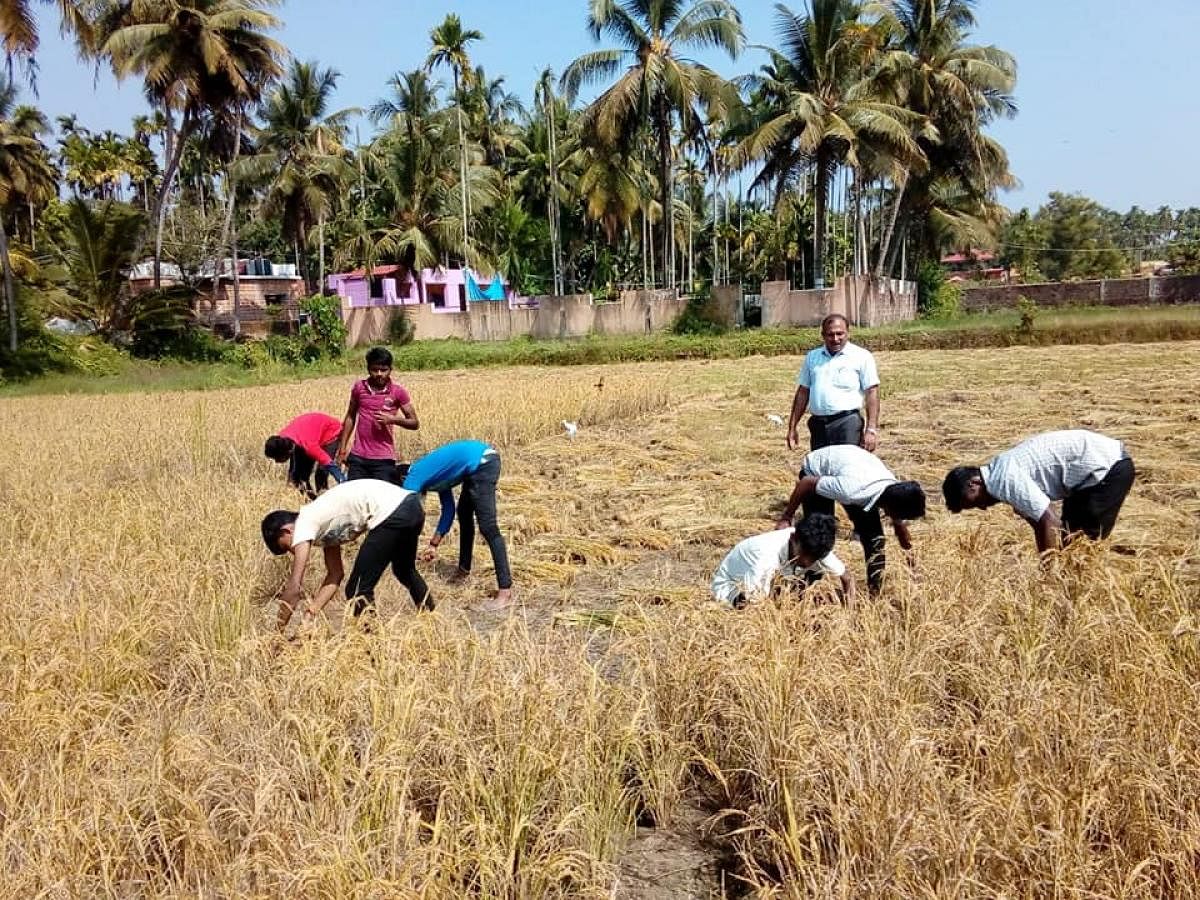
[[390, 516], [748, 571]]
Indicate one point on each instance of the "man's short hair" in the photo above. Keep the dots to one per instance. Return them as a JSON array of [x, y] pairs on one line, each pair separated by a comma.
[[831, 318], [379, 356], [954, 488], [273, 524], [903, 500], [815, 534], [278, 448]]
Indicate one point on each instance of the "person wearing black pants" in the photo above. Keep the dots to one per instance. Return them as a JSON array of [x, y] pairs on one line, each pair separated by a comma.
[[838, 379], [865, 487], [390, 516], [394, 541], [869, 528], [477, 503], [476, 466], [1093, 511], [840, 428], [1090, 473]]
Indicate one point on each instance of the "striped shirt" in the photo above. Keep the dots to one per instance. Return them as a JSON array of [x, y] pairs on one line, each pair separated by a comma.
[[1049, 467], [849, 474]]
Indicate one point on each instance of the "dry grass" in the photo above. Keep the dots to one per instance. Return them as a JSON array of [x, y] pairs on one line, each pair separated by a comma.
[[993, 730]]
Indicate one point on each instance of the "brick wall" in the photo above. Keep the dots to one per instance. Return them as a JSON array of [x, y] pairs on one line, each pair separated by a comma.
[[1107, 292], [635, 312]]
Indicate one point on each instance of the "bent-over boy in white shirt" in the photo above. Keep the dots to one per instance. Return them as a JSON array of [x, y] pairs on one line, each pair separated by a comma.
[[748, 571]]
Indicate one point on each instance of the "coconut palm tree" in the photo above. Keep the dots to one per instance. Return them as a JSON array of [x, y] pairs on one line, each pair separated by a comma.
[[659, 86], [419, 193], [820, 108], [449, 48], [414, 98], [196, 57], [493, 115], [96, 252], [26, 177], [960, 88], [19, 36], [302, 157]]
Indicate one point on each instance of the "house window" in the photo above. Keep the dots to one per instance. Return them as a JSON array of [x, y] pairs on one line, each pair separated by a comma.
[[436, 293], [275, 299]]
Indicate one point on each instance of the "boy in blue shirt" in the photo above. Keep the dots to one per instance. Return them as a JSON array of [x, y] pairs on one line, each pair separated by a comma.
[[476, 466]]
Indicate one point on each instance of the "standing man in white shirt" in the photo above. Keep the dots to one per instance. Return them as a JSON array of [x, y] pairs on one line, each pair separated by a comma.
[[833, 386], [390, 516], [864, 486], [748, 571], [1090, 473]]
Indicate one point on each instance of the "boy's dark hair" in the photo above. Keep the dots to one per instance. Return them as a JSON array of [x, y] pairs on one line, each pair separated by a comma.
[[815, 534], [273, 524], [903, 500], [379, 356], [279, 448], [954, 488]]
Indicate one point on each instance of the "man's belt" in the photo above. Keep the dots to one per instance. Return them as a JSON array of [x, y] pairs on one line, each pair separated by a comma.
[[836, 416]]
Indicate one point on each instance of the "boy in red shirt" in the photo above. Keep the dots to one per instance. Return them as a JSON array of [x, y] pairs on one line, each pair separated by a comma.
[[376, 404], [307, 442]]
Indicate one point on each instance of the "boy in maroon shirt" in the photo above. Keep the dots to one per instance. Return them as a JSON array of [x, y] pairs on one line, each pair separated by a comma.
[[308, 441], [376, 404]]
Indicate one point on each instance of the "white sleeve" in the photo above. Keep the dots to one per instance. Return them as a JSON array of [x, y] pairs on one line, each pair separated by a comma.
[[305, 529], [868, 375], [831, 565]]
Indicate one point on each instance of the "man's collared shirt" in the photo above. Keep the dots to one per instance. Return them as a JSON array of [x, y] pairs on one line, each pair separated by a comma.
[[849, 475], [1049, 467], [837, 382]]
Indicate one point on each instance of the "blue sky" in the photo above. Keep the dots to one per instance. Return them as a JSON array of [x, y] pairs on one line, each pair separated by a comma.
[[1109, 90]]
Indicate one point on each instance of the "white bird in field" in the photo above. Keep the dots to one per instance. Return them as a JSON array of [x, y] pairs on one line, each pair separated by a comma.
[[775, 419], [570, 428]]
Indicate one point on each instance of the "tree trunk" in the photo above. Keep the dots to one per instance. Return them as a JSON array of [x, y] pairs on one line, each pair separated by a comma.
[[894, 250], [555, 226], [820, 200], [666, 191], [462, 167], [716, 274], [10, 289], [320, 228], [885, 242], [237, 284], [174, 157], [226, 230], [321, 252]]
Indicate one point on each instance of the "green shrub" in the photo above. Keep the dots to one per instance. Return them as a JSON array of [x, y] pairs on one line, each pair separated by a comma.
[[325, 328], [700, 316], [1028, 311], [937, 298], [401, 330], [170, 330]]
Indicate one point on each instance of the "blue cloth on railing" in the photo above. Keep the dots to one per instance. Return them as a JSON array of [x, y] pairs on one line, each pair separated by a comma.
[[494, 291]]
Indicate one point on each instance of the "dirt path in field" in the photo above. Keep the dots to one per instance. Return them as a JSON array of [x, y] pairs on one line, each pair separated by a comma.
[[680, 860]]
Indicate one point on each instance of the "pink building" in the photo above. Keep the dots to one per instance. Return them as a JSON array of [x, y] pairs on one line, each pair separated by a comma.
[[445, 290]]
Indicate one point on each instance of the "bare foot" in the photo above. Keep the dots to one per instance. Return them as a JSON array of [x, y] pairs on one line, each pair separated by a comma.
[[502, 600]]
